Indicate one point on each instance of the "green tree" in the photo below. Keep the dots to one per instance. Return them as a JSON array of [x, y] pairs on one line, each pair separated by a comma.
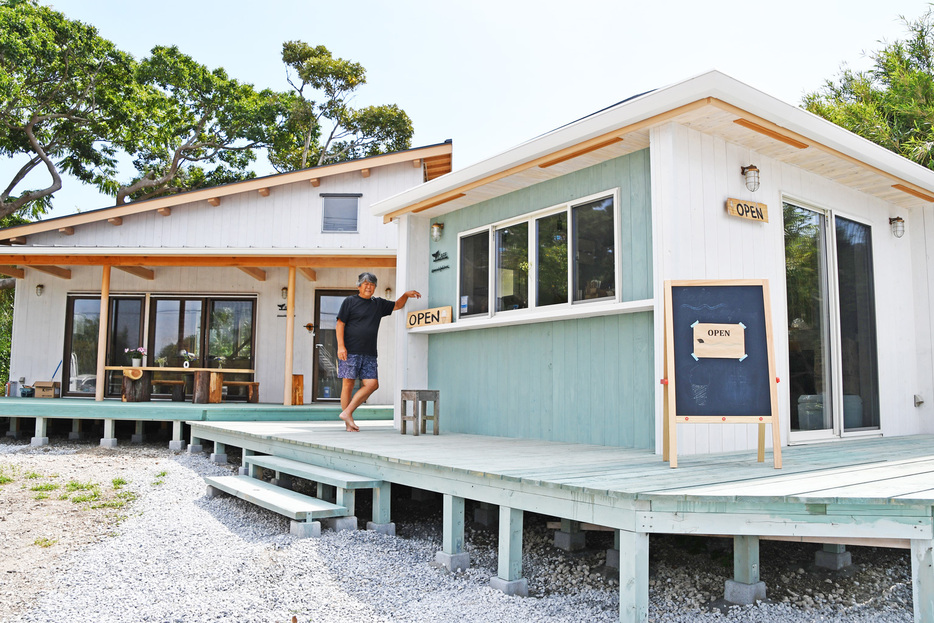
[[892, 103], [62, 88], [192, 128], [322, 127]]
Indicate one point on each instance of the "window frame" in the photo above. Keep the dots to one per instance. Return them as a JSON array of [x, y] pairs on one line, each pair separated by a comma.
[[531, 219], [325, 196]]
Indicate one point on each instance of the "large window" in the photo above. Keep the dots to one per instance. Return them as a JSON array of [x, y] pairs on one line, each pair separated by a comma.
[[339, 213], [562, 255]]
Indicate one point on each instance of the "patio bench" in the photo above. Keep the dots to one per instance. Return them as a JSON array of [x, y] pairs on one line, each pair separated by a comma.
[[344, 483], [252, 388], [304, 511], [178, 388]]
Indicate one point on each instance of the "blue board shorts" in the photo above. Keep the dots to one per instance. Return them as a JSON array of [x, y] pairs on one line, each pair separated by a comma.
[[357, 367]]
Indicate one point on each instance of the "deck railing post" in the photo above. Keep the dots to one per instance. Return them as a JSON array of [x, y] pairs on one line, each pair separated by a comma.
[[452, 555]]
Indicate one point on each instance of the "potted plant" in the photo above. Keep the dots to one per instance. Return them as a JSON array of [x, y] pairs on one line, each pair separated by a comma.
[[161, 361], [136, 355]]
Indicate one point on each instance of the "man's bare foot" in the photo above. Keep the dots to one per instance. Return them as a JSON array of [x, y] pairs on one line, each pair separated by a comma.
[[349, 423]]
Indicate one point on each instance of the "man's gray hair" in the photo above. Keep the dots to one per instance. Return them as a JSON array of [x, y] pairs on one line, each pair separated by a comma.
[[366, 277]]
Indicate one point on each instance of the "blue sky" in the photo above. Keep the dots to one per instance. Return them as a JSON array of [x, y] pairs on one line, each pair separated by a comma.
[[490, 75]]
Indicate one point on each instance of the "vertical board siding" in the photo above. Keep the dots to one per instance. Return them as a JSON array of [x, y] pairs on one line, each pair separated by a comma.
[[586, 380], [578, 381]]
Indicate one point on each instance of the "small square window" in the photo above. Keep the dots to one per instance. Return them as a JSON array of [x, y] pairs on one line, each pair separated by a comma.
[[340, 214]]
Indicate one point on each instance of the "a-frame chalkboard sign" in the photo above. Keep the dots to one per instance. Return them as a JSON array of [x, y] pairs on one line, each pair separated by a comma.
[[719, 361]]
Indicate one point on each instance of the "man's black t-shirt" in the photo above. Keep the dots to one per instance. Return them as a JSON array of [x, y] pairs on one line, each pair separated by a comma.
[[361, 322]]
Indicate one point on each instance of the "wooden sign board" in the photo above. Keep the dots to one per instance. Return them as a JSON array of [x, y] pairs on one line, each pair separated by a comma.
[[719, 359], [748, 210], [425, 317]]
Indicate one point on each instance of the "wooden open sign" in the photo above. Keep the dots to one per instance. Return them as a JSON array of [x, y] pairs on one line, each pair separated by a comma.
[[424, 317], [719, 341]]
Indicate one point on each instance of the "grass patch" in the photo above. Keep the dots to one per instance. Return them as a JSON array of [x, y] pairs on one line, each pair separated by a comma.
[[40, 496], [6, 475], [46, 486], [44, 542], [33, 475], [162, 474], [74, 485], [118, 482], [63, 496], [91, 496]]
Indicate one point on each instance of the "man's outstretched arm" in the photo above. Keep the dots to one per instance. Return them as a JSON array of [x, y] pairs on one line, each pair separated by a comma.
[[400, 302]]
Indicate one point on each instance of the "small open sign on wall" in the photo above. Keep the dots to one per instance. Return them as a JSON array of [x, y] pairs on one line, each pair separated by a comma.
[[749, 210], [424, 317]]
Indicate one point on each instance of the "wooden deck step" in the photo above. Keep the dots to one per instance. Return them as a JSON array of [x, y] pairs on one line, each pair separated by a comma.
[[282, 501], [324, 475]]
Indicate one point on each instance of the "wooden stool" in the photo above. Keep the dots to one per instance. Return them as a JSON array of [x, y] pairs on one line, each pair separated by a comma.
[[420, 416]]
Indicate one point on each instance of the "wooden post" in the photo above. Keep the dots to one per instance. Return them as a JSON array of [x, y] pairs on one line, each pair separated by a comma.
[[137, 385], [452, 540], [208, 387], [746, 559], [633, 576], [509, 566], [922, 579], [101, 380], [298, 389], [381, 505], [289, 338], [347, 499]]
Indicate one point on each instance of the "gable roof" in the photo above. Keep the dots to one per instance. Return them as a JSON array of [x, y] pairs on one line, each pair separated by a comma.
[[435, 160], [713, 103]]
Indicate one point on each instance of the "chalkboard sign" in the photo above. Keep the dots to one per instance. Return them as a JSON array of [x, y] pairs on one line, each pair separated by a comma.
[[719, 360]]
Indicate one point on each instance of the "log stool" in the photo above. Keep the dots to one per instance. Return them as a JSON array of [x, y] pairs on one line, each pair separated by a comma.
[[420, 398]]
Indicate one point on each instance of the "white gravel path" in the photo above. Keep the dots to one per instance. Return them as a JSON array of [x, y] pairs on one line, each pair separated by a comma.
[[180, 556]]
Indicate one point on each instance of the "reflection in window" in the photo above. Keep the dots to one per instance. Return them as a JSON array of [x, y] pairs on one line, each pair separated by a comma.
[[552, 278], [80, 366], [512, 267], [177, 331], [230, 334], [594, 261], [475, 274]]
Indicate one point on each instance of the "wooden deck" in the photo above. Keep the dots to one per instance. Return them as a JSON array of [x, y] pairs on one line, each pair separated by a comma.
[[869, 491]]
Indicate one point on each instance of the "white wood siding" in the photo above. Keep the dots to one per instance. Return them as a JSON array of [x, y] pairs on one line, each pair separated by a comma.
[[693, 174]]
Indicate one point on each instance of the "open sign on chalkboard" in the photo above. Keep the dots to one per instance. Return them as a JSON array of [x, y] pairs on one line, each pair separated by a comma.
[[719, 361]]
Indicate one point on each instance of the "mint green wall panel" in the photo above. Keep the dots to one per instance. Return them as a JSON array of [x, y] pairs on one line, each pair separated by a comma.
[[582, 381], [585, 380]]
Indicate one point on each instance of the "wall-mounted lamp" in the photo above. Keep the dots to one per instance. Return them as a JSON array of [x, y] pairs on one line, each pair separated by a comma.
[[436, 231], [751, 173], [898, 226], [388, 294], [285, 293], [310, 328], [39, 289]]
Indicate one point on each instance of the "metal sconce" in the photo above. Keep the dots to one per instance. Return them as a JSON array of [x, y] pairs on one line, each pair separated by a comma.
[[388, 293], [39, 289], [436, 231], [751, 173], [898, 226], [285, 293]]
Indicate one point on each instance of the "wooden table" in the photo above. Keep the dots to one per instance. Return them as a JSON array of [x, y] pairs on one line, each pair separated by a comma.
[[207, 386]]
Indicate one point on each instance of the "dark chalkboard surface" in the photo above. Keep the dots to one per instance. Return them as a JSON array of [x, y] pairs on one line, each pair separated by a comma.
[[719, 390]]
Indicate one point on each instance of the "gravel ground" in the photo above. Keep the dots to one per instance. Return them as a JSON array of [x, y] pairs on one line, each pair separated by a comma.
[[149, 546]]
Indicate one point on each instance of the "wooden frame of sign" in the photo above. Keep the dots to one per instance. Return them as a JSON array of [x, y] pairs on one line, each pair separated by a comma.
[[719, 360]]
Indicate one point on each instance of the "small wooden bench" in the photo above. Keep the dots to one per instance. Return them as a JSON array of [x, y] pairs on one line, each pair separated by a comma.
[[345, 484], [252, 388], [304, 511], [178, 388]]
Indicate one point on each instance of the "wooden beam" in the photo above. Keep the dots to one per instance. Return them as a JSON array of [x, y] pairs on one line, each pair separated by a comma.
[[257, 273], [774, 134], [58, 271], [139, 271], [289, 338], [12, 271], [116, 221], [164, 211], [271, 261], [68, 231], [18, 240], [568, 155], [417, 163], [428, 206], [214, 201], [102, 329], [309, 273], [315, 182], [263, 192], [913, 192], [365, 172]]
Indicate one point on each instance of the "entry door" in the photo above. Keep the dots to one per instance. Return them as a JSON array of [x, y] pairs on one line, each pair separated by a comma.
[[327, 385], [833, 363]]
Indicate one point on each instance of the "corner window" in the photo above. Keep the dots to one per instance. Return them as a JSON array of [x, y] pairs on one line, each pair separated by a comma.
[[474, 274], [561, 255], [339, 213]]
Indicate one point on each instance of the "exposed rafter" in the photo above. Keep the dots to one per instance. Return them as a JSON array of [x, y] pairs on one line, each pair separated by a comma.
[[139, 271], [263, 192], [164, 211], [13, 271], [57, 271], [214, 201], [67, 231], [309, 273], [257, 273], [116, 221]]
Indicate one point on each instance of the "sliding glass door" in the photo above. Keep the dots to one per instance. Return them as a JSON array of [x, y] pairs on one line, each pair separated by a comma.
[[833, 364]]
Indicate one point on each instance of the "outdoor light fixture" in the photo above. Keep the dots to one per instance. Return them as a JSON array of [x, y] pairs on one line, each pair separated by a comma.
[[310, 328], [436, 231], [388, 293], [39, 289], [751, 173], [898, 226], [285, 293]]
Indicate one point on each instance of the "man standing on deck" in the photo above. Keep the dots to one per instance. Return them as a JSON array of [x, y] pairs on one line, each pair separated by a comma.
[[357, 327]]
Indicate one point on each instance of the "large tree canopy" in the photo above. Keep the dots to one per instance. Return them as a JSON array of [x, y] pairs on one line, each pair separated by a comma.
[[62, 87], [892, 103], [322, 127]]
